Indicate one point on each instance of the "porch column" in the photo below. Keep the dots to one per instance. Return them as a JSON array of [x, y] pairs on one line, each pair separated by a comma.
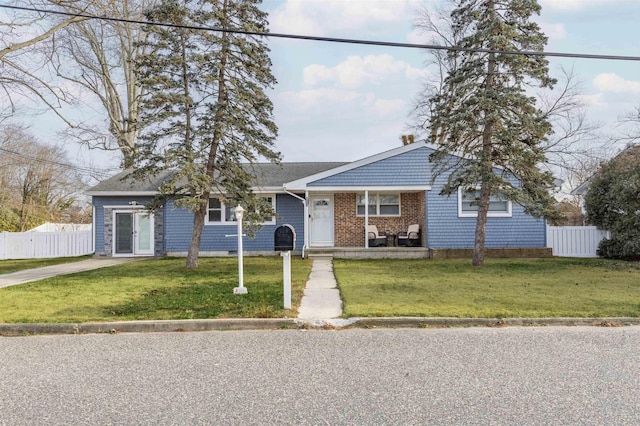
[[366, 218], [306, 221]]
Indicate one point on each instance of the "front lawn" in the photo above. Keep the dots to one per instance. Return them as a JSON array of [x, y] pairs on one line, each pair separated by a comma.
[[158, 289], [535, 288], [8, 266]]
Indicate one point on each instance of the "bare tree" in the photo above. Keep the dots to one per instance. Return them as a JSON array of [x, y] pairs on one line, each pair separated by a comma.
[[25, 50], [39, 183], [435, 24], [629, 127], [86, 62], [104, 54], [576, 142]]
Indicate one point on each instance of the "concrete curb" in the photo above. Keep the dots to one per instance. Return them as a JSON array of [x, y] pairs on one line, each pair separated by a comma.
[[152, 326]]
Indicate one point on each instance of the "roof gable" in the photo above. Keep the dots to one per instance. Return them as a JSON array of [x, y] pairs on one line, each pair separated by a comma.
[[405, 166], [366, 166]]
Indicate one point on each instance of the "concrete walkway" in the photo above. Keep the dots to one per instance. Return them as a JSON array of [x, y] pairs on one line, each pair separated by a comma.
[[321, 299], [28, 275]]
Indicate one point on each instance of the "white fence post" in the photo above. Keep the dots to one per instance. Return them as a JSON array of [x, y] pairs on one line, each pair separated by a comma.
[[37, 245], [3, 237], [575, 241]]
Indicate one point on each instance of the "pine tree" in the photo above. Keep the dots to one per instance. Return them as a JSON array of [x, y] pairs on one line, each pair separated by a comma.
[[485, 114], [206, 109]]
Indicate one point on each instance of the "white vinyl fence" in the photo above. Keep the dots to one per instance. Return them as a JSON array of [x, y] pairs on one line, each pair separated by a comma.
[[575, 241], [35, 245]]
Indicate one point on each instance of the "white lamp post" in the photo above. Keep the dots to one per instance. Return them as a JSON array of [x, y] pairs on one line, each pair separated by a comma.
[[241, 289]]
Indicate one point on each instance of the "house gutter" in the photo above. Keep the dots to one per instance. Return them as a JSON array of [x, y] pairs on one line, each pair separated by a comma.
[[306, 216]]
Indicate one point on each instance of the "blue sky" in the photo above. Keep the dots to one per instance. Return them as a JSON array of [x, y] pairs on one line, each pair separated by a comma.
[[342, 102]]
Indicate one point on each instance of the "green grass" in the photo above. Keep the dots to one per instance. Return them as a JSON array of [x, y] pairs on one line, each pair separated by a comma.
[[559, 287], [157, 289], [8, 266]]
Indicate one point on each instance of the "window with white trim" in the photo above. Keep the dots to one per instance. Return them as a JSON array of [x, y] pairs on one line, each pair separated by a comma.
[[219, 213], [379, 205], [468, 201]]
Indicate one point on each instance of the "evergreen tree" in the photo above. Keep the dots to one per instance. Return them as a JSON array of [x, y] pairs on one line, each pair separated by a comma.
[[613, 204], [485, 115], [206, 110]]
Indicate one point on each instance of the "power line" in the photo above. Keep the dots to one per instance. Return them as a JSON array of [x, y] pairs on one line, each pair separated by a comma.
[[56, 163], [334, 39]]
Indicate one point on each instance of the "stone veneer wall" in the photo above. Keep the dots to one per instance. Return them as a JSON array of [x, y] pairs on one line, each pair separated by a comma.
[[158, 232], [349, 228]]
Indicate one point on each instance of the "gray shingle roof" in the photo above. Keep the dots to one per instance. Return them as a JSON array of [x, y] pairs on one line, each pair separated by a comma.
[[269, 176]]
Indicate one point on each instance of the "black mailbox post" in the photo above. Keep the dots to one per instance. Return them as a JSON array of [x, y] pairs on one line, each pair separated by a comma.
[[284, 238]]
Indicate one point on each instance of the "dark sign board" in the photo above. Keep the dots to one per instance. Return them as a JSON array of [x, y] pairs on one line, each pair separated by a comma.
[[284, 238]]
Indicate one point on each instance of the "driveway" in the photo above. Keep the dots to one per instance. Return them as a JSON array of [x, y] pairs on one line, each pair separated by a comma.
[[29, 275]]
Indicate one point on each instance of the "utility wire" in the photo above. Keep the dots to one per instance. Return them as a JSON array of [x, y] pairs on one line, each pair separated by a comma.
[[333, 39], [56, 163]]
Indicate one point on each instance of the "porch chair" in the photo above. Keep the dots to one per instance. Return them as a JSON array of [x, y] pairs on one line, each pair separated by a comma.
[[376, 239], [411, 238]]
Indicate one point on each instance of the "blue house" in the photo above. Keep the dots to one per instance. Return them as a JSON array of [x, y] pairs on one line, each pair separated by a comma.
[[332, 207]]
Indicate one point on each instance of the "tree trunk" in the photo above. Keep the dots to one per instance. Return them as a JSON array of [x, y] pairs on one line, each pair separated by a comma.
[[486, 166], [198, 219], [481, 227], [196, 236], [199, 215]]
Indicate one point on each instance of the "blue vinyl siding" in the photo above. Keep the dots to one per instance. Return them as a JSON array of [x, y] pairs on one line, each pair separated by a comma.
[[100, 203], [409, 168], [179, 225], [444, 228]]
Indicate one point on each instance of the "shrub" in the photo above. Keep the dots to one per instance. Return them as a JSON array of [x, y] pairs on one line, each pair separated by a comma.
[[613, 204]]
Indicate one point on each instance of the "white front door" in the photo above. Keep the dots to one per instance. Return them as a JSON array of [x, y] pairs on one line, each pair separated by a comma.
[[321, 221], [133, 234]]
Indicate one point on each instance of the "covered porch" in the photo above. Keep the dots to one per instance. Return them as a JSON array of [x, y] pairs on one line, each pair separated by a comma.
[[340, 220]]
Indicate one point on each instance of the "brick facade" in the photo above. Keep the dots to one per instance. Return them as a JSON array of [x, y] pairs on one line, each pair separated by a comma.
[[349, 228]]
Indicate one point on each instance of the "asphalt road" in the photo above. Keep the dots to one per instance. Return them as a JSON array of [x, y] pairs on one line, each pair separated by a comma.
[[543, 375]]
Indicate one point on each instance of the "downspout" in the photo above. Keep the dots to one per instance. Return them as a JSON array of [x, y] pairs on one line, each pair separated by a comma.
[[306, 216], [93, 227]]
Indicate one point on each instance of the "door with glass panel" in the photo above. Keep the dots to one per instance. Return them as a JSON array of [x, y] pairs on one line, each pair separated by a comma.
[[321, 221], [133, 234]]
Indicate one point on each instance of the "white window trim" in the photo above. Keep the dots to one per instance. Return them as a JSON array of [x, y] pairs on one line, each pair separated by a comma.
[[508, 213], [377, 194], [226, 222]]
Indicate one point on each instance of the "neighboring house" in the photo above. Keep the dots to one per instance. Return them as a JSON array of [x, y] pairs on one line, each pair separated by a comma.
[[324, 202]]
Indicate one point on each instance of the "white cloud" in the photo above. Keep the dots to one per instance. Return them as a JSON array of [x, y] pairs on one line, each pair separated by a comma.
[[326, 124], [572, 5], [610, 82], [388, 107], [417, 36], [340, 103], [553, 31], [326, 16], [313, 99], [357, 71], [596, 100]]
